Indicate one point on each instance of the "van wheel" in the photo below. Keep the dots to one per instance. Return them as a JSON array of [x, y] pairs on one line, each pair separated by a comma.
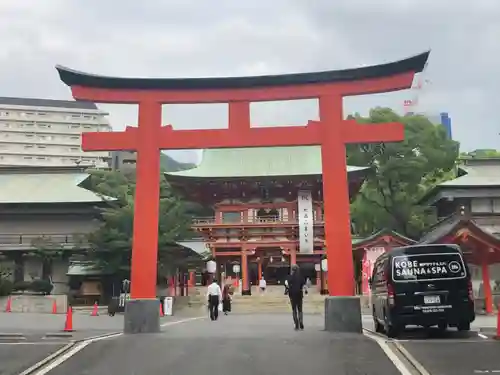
[[391, 330], [442, 326], [463, 326], [378, 327]]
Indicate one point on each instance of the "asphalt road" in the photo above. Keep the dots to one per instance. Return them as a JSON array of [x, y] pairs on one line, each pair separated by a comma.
[[456, 358], [15, 358], [35, 327], [243, 344]]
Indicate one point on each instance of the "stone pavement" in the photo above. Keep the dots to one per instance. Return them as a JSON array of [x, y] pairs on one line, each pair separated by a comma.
[[242, 344]]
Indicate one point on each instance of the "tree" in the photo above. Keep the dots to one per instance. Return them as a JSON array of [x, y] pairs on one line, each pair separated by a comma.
[[5, 281], [401, 174], [48, 250], [111, 244]]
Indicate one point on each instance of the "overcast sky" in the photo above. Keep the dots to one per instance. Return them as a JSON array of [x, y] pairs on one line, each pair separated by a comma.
[[188, 38]]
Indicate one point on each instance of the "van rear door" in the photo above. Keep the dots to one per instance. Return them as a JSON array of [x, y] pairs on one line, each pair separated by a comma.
[[429, 282]]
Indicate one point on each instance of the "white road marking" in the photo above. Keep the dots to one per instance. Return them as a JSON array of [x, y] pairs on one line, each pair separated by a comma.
[[482, 336], [80, 346], [421, 369], [181, 321], [63, 358], [398, 363], [46, 359]]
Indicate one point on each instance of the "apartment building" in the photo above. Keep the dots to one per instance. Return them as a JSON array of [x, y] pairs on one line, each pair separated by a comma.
[[43, 132]]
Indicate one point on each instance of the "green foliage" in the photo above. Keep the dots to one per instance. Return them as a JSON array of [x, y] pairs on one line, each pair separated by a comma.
[[169, 164], [402, 173], [35, 286], [47, 249], [5, 283], [111, 244]]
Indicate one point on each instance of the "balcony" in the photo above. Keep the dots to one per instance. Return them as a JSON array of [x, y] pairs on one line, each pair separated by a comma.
[[13, 242], [252, 221]]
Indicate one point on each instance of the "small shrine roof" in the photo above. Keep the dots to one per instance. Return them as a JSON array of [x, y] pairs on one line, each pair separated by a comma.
[[259, 162], [453, 224], [373, 238]]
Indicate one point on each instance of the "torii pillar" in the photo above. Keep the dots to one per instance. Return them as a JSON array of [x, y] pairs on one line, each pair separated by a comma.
[[331, 132]]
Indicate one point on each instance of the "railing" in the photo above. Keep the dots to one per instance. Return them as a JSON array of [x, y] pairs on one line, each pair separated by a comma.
[[251, 220], [30, 239]]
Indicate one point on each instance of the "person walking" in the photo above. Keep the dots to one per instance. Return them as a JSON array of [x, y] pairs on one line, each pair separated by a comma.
[[295, 288], [214, 295], [262, 284], [226, 299]]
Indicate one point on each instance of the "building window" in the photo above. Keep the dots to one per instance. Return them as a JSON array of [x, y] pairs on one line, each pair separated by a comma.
[[231, 217], [74, 149], [482, 205], [28, 157], [74, 137], [41, 146], [29, 135], [496, 205]]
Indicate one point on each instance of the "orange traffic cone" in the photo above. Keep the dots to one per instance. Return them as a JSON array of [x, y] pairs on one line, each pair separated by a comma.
[[94, 310], [8, 307], [54, 307], [68, 326], [161, 310]]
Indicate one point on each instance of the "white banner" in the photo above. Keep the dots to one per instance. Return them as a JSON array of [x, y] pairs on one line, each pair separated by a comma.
[[306, 228]]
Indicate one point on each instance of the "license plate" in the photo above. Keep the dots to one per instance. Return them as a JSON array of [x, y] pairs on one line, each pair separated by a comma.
[[429, 300]]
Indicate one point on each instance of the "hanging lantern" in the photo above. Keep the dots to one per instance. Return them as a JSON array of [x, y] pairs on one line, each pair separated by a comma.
[[324, 265], [211, 266]]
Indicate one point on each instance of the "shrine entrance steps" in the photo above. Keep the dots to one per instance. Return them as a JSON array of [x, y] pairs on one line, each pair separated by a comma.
[[272, 301]]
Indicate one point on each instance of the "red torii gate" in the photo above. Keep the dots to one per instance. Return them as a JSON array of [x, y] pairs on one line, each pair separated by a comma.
[[332, 132]]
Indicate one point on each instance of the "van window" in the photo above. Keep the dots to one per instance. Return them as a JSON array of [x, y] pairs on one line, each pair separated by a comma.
[[428, 267], [379, 271]]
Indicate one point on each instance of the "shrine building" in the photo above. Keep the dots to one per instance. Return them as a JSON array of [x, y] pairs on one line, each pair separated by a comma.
[[468, 209], [267, 209]]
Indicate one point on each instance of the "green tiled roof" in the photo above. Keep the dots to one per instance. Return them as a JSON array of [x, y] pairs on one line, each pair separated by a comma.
[[477, 176], [259, 162], [45, 188]]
